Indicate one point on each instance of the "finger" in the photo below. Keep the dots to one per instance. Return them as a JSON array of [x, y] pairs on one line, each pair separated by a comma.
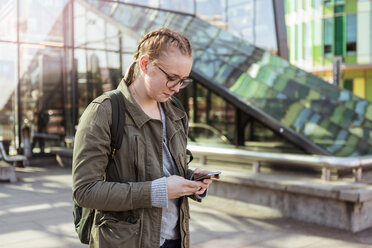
[[207, 181], [201, 191]]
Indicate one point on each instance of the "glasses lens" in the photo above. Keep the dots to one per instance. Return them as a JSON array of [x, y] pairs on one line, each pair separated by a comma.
[[185, 83]]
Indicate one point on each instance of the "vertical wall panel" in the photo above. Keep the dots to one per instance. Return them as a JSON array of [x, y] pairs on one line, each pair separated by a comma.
[[364, 33], [369, 89], [359, 87], [339, 35]]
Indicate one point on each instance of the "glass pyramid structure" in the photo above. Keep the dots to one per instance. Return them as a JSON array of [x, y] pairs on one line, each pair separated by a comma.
[[308, 111]]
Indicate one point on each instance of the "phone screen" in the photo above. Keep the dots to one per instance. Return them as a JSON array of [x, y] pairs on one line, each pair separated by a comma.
[[209, 175]]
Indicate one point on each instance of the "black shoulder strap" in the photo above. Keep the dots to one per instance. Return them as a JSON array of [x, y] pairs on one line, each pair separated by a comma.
[[118, 120]]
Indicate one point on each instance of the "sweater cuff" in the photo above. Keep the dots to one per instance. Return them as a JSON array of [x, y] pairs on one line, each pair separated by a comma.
[[202, 196], [159, 193]]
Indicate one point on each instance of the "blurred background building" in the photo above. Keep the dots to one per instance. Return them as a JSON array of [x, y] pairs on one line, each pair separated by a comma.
[[320, 32], [57, 56]]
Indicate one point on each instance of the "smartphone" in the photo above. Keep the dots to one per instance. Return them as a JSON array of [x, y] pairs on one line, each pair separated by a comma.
[[209, 175]]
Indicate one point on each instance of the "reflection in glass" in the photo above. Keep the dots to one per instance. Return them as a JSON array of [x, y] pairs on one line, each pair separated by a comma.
[[42, 95], [93, 31], [98, 72], [8, 20], [178, 5], [8, 83], [42, 21]]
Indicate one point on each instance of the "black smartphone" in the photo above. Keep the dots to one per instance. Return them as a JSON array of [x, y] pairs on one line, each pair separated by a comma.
[[209, 175]]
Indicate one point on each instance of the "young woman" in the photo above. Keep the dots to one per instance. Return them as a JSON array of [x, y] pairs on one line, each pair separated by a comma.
[[148, 207]]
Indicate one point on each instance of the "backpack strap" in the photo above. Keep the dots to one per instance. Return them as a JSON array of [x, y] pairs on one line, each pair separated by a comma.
[[118, 120]]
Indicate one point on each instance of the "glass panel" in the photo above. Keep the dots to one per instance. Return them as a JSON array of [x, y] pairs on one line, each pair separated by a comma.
[[150, 3], [92, 31], [8, 84], [98, 72], [201, 104], [8, 20], [247, 19], [42, 95], [265, 26], [351, 34], [214, 119], [42, 21], [222, 117], [328, 36], [308, 41], [317, 3], [328, 2], [178, 5], [364, 41]]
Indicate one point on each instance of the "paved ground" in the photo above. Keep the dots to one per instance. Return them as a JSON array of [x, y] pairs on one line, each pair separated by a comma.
[[37, 212]]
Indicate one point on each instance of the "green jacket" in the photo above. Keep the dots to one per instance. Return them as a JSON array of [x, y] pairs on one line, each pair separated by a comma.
[[125, 216]]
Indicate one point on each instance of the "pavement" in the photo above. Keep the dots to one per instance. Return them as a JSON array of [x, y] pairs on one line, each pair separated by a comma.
[[36, 211]]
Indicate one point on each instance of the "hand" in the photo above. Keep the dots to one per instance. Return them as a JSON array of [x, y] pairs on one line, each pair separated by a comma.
[[178, 186], [206, 182]]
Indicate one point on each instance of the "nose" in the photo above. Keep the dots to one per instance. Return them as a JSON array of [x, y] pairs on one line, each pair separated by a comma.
[[176, 88]]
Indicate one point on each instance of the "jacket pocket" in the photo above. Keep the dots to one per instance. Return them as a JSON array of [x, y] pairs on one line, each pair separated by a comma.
[[112, 232], [138, 158]]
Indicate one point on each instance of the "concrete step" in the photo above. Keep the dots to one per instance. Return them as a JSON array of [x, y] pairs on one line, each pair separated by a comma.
[[342, 204]]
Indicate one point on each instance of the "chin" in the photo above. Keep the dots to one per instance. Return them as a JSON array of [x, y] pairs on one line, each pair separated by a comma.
[[163, 99]]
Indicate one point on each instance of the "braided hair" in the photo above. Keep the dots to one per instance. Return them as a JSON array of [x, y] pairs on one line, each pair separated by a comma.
[[154, 44]]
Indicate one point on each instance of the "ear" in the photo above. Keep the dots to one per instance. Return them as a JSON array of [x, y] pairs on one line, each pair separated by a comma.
[[144, 63]]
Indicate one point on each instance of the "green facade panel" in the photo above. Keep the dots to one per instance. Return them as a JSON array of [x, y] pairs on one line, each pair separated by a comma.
[[350, 60], [348, 84], [353, 74], [339, 8], [369, 74], [328, 10], [351, 6], [339, 32], [369, 89]]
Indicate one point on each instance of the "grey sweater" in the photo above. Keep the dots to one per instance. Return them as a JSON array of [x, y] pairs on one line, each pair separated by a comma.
[[159, 194]]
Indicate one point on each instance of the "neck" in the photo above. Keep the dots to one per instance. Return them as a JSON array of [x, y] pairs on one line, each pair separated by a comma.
[[139, 94], [148, 105]]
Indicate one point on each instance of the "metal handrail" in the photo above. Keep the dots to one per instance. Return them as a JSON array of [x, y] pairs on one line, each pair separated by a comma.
[[315, 161]]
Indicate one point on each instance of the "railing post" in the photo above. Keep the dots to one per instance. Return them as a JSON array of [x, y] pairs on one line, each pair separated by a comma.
[[203, 160], [358, 174], [256, 167], [326, 174]]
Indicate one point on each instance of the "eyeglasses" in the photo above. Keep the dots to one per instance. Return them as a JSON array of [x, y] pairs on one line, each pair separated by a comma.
[[173, 82]]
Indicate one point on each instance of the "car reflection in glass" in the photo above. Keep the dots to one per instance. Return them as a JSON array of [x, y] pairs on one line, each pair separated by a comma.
[[206, 134]]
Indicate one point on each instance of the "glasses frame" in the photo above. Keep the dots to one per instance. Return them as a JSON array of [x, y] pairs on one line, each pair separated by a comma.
[[183, 82]]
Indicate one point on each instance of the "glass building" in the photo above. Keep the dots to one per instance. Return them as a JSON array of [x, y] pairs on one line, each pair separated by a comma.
[[60, 55], [320, 31]]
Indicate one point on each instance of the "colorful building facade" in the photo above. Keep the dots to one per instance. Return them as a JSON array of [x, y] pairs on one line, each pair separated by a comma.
[[320, 31]]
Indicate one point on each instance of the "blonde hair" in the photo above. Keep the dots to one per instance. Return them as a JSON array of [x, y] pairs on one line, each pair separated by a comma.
[[154, 44]]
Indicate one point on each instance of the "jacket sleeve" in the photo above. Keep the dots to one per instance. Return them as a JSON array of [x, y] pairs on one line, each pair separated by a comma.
[[90, 159]]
